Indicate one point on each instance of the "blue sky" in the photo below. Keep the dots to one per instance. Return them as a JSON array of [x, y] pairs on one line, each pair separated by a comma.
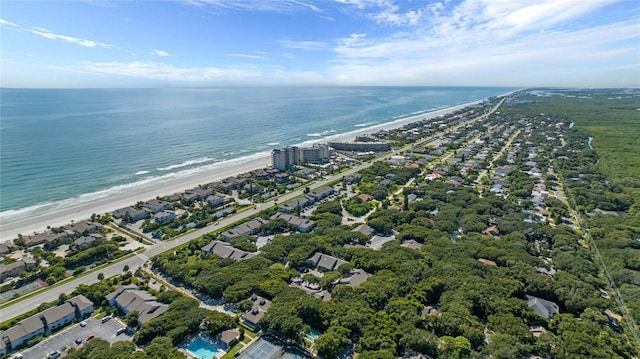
[[96, 43]]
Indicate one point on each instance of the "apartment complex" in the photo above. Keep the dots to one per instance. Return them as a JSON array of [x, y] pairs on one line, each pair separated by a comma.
[[283, 158]]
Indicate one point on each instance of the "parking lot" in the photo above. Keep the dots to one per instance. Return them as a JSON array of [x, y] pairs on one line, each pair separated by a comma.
[[67, 337]]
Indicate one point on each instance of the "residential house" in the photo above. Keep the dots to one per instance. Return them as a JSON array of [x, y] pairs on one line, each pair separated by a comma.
[[5, 248], [365, 229], [83, 227], [244, 229], [354, 278], [487, 262], [257, 311], [44, 237], [58, 317], [281, 178], [226, 250], [130, 212], [326, 262], [155, 205], [411, 244], [215, 200], [291, 206], [542, 307], [302, 224], [365, 197], [129, 299], [190, 198], [229, 338], [320, 193], [85, 242], [164, 217], [14, 269], [491, 231], [82, 305], [24, 331]]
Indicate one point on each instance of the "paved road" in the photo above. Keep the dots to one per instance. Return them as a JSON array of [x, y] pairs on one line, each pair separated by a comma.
[[51, 294]]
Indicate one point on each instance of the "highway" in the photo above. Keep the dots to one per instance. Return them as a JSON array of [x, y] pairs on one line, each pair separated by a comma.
[[22, 305]]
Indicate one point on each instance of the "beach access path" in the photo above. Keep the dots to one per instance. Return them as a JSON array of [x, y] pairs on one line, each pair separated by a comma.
[[20, 306]]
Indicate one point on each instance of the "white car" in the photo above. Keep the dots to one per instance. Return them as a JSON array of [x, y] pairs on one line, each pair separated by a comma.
[[83, 324]]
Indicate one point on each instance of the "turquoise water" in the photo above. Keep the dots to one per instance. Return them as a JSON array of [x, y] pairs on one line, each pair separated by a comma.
[[203, 349], [62, 147]]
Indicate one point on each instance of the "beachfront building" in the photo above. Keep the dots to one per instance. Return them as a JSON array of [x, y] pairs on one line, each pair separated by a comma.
[[284, 158], [361, 146]]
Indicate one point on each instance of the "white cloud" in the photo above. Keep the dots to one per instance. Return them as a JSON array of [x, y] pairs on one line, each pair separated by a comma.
[[161, 53], [243, 5], [246, 56], [71, 39], [50, 35], [9, 23], [304, 45], [166, 72]]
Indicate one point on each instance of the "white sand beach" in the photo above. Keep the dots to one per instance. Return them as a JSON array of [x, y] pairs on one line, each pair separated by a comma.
[[29, 223]]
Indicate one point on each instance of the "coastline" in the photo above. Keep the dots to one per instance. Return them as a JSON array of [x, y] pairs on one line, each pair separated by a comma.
[[30, 223]]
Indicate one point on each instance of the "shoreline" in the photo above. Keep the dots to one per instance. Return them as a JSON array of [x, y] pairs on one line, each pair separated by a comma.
[[29, 224]]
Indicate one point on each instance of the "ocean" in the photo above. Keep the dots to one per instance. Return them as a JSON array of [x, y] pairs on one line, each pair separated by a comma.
[[67, 146]]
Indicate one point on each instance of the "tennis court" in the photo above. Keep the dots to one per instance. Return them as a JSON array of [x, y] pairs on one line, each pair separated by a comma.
[[261, 349]]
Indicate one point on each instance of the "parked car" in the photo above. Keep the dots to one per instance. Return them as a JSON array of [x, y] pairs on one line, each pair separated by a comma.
[[106, 319], [121, 330], [83, 324], [91, 336], [79, 341]]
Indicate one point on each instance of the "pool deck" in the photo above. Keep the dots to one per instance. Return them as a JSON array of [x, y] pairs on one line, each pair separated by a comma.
[[205, 337]]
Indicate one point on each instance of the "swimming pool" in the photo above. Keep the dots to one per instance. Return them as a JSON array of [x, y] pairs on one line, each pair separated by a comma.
[[203, 348]]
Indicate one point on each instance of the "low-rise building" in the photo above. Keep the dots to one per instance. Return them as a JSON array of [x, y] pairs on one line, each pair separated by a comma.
[[257, 311], [156, 205], [132, 213], [244, 229], [14, 269], [82, 306], [164, 217], [24, 331], [544, 308], [229, 338], [302, 224], [226, 250], [129, 299], [58, 317], [326, 262]]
